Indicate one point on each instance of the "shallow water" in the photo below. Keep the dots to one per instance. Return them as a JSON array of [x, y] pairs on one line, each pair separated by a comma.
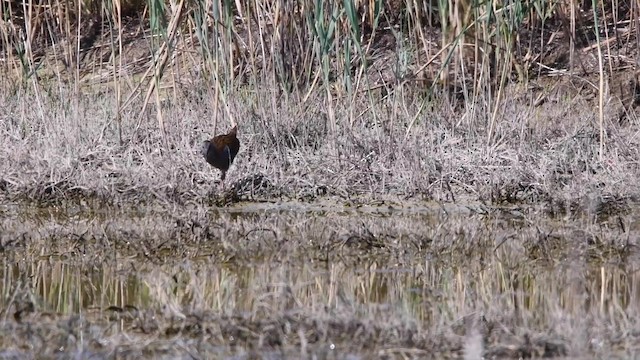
[[58, 286], [429, 267]]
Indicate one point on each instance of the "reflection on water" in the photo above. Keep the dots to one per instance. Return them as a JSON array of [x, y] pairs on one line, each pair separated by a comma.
[[57, 286], [425, 292]]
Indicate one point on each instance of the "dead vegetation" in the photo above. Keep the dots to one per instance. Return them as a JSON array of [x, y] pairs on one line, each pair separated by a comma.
[[57, 154], [348, 100]]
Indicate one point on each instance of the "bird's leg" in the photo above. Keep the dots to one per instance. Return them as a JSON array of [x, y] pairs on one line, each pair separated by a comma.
[[222, 177]]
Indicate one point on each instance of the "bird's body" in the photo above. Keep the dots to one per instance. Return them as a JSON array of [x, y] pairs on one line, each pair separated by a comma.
[[221, 150]]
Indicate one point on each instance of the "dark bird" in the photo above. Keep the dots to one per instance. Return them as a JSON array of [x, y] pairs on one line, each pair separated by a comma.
[[221, 150]]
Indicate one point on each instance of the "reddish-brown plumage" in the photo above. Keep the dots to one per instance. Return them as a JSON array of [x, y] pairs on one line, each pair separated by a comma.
[[221, 150]]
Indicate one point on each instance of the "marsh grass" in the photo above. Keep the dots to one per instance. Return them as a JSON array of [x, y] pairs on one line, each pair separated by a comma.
[[340, 102], [441, 282], [543, 155], [481, 205]]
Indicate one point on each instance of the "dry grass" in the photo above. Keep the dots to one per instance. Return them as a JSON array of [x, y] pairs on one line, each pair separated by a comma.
[[310, 125], [54, 150]]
